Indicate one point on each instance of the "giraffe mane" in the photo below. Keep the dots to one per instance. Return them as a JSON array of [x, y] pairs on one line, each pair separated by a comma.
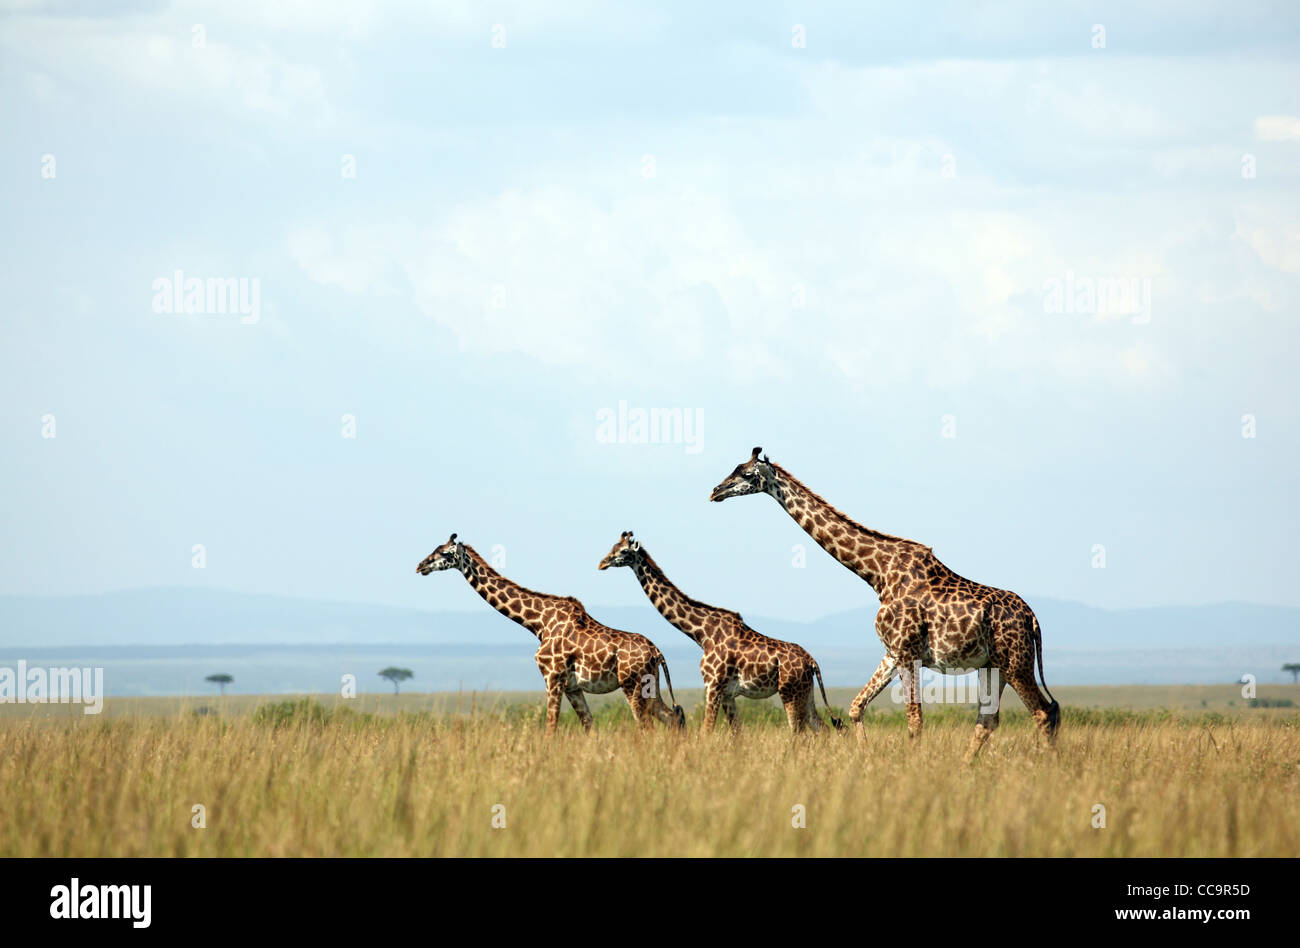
[[690, 600], [849, 521], [474, 555]]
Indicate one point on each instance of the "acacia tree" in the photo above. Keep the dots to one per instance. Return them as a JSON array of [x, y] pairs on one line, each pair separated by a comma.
[[396, 676], [220, 680], [1294, 669]]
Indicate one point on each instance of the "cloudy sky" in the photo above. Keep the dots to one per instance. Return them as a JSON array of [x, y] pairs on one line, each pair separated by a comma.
[[1022, 284]]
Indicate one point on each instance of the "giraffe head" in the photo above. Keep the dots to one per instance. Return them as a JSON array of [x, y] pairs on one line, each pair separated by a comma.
[[448, 556], [754, 476], [624, 553]]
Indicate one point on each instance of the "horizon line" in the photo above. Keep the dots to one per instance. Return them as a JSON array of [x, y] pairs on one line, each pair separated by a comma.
[[406, 608]]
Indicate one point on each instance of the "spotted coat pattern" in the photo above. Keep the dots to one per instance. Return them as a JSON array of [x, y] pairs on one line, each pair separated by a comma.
[[737, 660], [576, 654], [928, 613]]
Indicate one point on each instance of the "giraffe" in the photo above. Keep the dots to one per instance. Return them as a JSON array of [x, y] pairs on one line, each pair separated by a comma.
[[929, 616], [576, 653], [737, 660]]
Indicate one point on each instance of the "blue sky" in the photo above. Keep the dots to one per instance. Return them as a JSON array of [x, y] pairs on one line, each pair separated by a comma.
[[841, 251]]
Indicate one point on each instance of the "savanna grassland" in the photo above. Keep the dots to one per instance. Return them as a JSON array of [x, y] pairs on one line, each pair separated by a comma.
[[1202, 774]]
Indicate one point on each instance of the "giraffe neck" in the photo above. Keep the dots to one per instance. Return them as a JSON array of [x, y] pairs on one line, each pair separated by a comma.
[[866, 552], [687, 614], [525, 606]]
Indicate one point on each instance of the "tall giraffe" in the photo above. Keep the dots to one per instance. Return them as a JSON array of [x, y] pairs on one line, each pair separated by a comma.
[[929, 616], [737, 660], [577, 654]]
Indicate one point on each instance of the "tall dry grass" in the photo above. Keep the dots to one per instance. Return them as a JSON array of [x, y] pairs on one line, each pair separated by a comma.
[[301, 779]]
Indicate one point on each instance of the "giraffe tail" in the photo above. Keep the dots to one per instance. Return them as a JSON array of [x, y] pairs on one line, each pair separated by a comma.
[[667, 678], [1054, 708], [678, 713], [835, 722]]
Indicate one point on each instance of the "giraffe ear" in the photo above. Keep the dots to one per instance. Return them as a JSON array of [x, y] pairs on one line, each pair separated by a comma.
[[636, 545]]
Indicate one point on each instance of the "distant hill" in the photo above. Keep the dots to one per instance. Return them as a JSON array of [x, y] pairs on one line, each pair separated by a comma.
[[1075, 626], [185, 616], [159, 641], [191, 616]]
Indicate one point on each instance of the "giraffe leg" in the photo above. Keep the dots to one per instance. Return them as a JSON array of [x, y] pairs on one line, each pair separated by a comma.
[[1025, 686], [912, 694], [913, 720], [554, 692], [729, 709], [638, 702], [579, 702], [812, 719], [648, 709], [882, 676], [712, 702], [991, 684], [795, 698], [795, 714]]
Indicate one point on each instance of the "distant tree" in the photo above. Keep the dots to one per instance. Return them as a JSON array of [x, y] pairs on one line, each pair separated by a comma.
[[221, 680], [1294, 669], [396, 676]]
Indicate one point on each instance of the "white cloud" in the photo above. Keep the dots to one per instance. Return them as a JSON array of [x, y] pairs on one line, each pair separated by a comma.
[[569, 279], [360, 264], [1277, 128], [673, 280], [1273, 233], [908, 276], [159, 57]]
